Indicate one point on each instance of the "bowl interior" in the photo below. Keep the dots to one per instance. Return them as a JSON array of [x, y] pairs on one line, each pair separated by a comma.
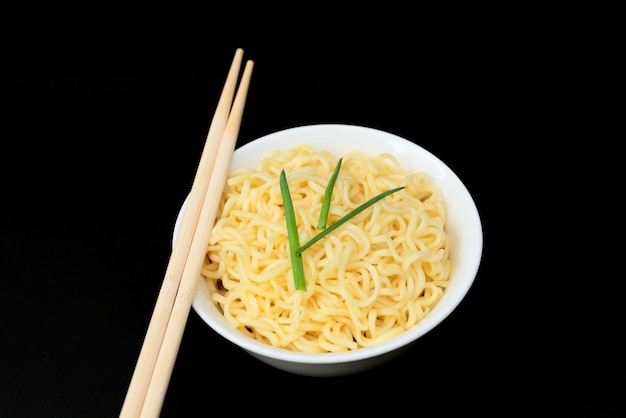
[[463, 226]]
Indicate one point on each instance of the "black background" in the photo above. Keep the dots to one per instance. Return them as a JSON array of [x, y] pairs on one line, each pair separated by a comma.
[[105, 113]]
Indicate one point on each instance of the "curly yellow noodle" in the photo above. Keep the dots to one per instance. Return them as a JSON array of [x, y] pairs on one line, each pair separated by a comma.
[[367, 282]]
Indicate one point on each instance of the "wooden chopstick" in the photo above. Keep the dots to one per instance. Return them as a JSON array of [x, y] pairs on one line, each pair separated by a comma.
[[179, 258], [175, 327]]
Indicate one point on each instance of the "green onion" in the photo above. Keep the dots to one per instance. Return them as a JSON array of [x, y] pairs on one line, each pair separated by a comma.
[[292, 234], [345, 218], [295, 250], [321, 224]]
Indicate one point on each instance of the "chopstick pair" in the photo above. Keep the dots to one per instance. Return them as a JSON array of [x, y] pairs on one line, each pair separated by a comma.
[[155, 363]]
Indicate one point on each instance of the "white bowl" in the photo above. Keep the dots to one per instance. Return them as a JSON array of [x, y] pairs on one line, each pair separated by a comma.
[[463, 227]]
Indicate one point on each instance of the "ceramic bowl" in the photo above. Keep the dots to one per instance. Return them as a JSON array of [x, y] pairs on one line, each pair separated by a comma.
[[463, 227]]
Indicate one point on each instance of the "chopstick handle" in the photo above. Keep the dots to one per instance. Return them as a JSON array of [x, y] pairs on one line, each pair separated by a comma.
[[180, 252], [184, 298]]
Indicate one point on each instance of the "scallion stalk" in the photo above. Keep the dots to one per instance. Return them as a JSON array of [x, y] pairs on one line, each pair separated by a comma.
[[292, 234], [345, 218]]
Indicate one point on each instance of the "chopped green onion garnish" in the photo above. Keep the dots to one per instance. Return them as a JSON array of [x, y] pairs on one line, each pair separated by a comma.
[[295, 250], [345, 218], [321, 224], [292, 234]]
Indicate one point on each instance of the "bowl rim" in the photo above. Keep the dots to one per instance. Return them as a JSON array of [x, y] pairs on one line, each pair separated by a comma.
[[439, 314]]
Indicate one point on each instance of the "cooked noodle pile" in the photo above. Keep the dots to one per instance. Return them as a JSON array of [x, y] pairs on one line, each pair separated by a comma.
[[370, 280]]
